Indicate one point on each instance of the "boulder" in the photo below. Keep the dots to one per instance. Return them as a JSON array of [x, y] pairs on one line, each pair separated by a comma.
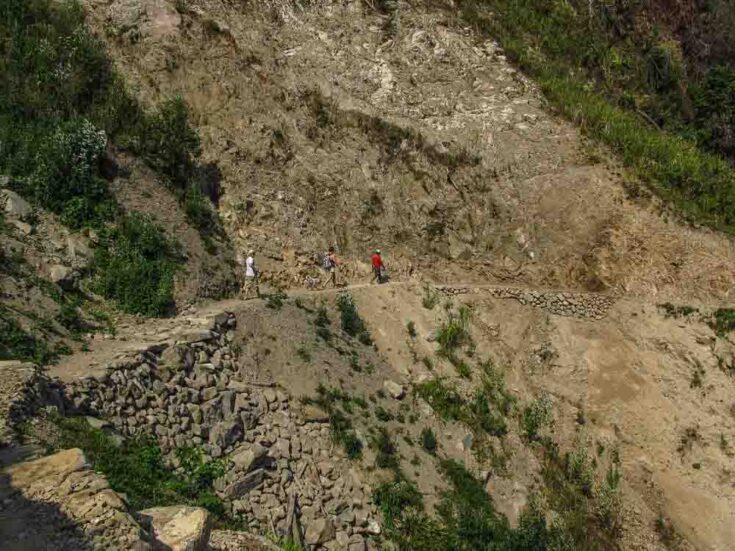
[[394, 389], [244, 485], [61, 490], [245, 458], [177, 357], [313, 414], [77, 247], [178, 527], [14, 205], [63, 276], [225, 433], [320, 531]]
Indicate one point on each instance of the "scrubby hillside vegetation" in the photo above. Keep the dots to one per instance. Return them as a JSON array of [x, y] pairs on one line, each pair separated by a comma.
[[71, 134], [653, 80]]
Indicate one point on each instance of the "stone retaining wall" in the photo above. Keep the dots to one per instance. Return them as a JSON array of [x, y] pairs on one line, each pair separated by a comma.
[[579, 305], [192, 391], [24, 388]]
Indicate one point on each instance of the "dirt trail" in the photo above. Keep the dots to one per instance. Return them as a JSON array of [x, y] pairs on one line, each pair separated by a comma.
[[137, 334]]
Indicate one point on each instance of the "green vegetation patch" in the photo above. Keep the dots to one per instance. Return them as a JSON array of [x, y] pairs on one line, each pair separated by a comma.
[[723, 321], [352, 323], [135, 264], [629, 90], [137, 469], [340, 424], [61, 106], [18, 344], [484, 412]]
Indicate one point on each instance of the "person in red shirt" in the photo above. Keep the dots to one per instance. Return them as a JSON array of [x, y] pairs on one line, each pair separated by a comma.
[[378, 267]]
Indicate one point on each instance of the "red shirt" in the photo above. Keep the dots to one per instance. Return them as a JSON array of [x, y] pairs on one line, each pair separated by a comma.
[[377, 261]]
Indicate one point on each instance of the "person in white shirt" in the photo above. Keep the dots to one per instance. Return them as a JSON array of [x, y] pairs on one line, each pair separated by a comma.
[[251, 276]]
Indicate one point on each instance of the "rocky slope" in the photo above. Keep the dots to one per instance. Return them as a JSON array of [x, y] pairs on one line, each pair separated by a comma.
[[427, 144], [586, 341]]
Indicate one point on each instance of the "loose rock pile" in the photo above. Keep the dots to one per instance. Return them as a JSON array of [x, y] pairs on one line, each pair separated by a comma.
[[193, 392]]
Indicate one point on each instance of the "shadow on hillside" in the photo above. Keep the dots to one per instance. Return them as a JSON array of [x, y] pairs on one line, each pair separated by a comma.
[[27, 525]]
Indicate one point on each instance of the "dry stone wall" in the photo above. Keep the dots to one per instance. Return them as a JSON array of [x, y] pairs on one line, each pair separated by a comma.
[[578, 305], [193, 392], [24, 389]]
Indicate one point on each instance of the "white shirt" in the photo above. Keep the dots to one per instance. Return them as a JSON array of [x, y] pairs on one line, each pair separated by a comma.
[[250, 267]]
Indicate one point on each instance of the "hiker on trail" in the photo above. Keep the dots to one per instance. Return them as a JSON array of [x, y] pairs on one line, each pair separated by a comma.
[[378, 267], [251, 276], [330, 265]]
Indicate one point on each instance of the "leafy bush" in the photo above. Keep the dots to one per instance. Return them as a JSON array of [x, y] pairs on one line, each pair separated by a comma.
[[454, 332], [443, 399], [66, 178], [723, 321], [70, 318], [17, 344], [428, 441], [340, 425], [135, 265], [352, 323], [383, 415], [170, 144], [386, 452], [535, 415], [343, 434], [274, 301], [431, 298]]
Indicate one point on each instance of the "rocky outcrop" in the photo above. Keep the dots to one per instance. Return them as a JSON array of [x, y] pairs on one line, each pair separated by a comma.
[[178, 527], [59, 502]]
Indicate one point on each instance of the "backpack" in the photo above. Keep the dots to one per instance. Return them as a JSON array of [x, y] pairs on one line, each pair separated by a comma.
[[327, 263]]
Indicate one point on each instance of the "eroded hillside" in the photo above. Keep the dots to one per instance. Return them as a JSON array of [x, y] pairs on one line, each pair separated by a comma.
[[550, 365], [428, 144]]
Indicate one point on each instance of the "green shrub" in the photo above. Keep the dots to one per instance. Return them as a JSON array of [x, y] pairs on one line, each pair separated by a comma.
[[135, 265], [18, 344], [454, 332], [383, 415], [428, 441], [66, 177], [467, 512], [723, 321], [443, 399], [274, 301], [411, 328], [431, 298], [170, 144], [70, 318], [352, 323], [322, 319], [386, 452], [536, 415]]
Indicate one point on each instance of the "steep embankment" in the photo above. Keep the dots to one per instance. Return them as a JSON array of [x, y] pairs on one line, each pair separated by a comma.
[[544, 397], [428, 144]]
